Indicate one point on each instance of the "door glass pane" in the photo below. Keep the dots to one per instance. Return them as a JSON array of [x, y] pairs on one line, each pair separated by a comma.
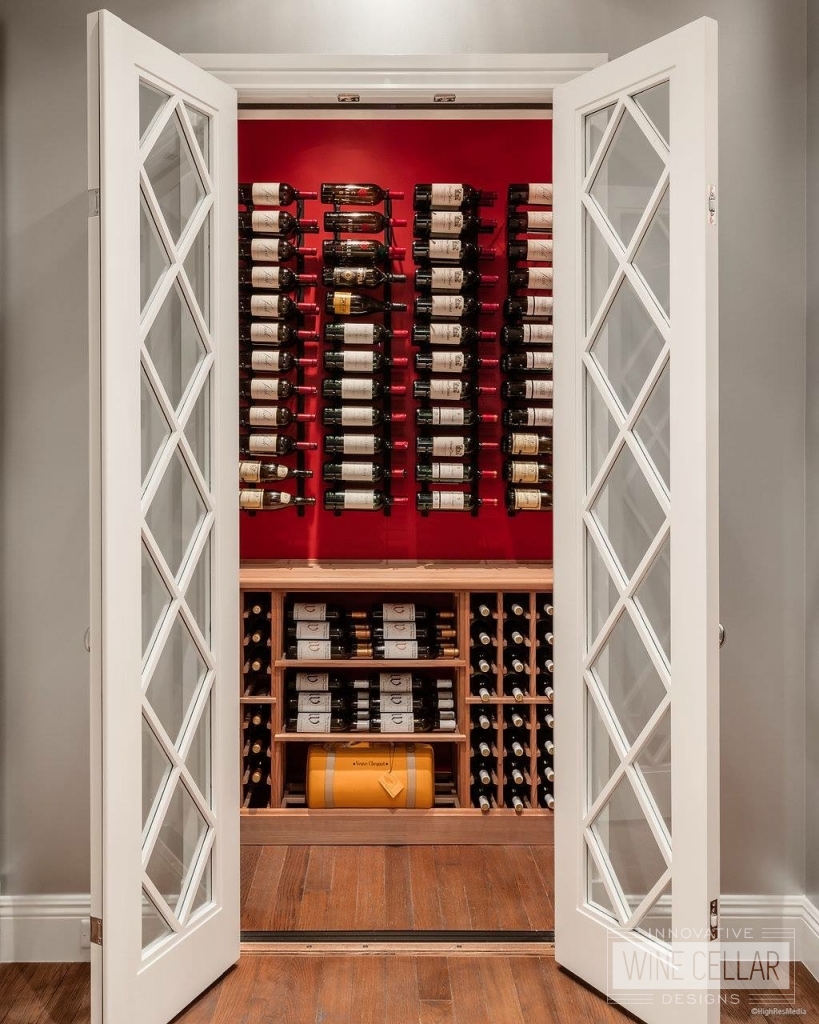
[[598, 895], [154, 426], [201, 131], [657, 922], [655, 104], [652, 427], [654, 762], [203, 890], [197, 430], [652, 259], [601, 266], [176, 679], [151, 101], [175, 345], [197, 268], [154, 926], [179, 839], [197, 595], [176, 512], [198, 759], [603, 757], [174, 178], [155, 600], [653, 598], [155, 771], [601, 430], [153, 260], [602, 592], [596, 125]]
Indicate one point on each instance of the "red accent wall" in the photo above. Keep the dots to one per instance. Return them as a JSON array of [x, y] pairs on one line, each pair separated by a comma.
[[487, 154]]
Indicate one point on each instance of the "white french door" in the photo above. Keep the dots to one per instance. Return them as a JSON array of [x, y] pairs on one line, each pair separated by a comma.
[[636, 545], [165, 534]]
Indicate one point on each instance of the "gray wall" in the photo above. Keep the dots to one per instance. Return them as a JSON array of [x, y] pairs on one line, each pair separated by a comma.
[[43, 545]]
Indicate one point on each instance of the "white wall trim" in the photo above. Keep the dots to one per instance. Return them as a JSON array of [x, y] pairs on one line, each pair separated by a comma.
[[44, 928], [758, 912]]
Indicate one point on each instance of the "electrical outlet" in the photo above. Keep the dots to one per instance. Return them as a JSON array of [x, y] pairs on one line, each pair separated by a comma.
[[85, 933]]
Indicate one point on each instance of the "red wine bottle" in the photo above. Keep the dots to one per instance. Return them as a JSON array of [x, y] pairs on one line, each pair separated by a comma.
[[357, 416], [450, 224], [280, 278], [428, 196], [530, 194], [358, 389], [448, 389], [526, 444], [360, 444], [360, 334], [354, 251], [530, 362], [452, 307], [360, 222], [271, 193], [360, 361], [528, 334], [273, 306], [274, 222], [527, 499], [529, 220], [453, 416], [529, 307], [448, 334], [270, 500], [449, 472], [268, 333], [271, 250], [272, 444], [265, 360], [362, 501], [451, 279], [528, 390], [270, 389], [450, 501], [449, 446], [364, 277], [352, 304], [317, 721], [356, 195], [449, 250], [268, 472], [453, 361], [359, 472], [532, 278], [270, 417], [532, 250], [528, 417]]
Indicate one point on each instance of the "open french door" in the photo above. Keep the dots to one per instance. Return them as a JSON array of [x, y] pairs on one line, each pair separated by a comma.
[[636, 544], [165, 869]]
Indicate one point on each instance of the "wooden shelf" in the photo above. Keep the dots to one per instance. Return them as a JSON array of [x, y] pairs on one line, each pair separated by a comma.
[[257, 700], [383, 663], [370, 737], [476, 701]]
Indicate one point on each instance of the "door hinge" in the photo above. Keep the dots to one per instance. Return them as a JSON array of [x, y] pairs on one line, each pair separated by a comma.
[[712, 204], [96, 930], [713, 919], [93, 202]]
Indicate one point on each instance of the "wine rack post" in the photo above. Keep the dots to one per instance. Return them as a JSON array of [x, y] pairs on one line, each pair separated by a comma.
[[498, 706], [462, 713], [277, 765], [386, 371], [301, 431], [532, 706]]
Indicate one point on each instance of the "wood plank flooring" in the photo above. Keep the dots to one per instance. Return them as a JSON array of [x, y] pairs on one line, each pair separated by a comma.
[[376, 888], [377, 989]]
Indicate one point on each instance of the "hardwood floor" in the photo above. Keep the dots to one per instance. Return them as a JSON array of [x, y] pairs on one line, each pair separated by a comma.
[[359, 989], [375, 888]]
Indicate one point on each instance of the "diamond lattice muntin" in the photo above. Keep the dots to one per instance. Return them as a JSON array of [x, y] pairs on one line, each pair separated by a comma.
[[626, 396]]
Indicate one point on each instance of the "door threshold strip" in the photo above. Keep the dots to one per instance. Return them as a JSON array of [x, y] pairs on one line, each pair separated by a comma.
[[397, 937]]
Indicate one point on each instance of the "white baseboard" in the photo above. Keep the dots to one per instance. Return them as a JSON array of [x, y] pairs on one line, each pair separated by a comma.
[[759, 912], [44, 928]]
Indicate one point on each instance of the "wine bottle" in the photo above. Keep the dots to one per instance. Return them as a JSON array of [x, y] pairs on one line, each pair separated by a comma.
[[361, 501], [271, 417], [544, 631], [271, 500], [530, 194], [256, 772], [279, 334], [535, 307], [360, 223], [427, 196], [274, 222], [447, 389], [529, 220], [271, 389], [406, 682], [451, 307], [361, 472], [481, 775], [448, 334], [449, 472], [271, 361], [518, 776], [401, 611], [513, 663], [450, 362], [514, 720], [361, 389], [273, 306], [271, 250], [364, 277], [527, 472], [515, 686], [360, 444], [451, 279], [450, 501], [359, 361], [481, 750], [531, 250], [546, 691], [527, 499], [547, 748], [530, 362], [528, 417], [545, 607], [547, 772], [448, 446], [253, 609], [314, 611], [450, 224], [515, 637], [482, 663], [352, 304], [449, 250], [545, 798], [356, 195], [273, 277], [272, 444], [316, 629], [532, 278], [528, 390], [318, 721], [358, 416], [360, 334], [258, 662], [256, 636], [453, 416], [316, 650], [516, 607], [482, 797], [404, 703], [267, 472], [256, 719], [318, 703], [526, 444], [480, 635], [483, 610], [514, 748], [528, 334], [483, 726], [403, 723], [322, 682], [404, 649], [271, 193], [352, 251]]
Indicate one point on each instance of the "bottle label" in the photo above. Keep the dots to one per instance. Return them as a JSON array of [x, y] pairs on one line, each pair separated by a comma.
[[264, 359], [306, 611], [263, 443], [448, 196], [250, 472], [264, 305], [395, 682], [264, 388], [540, 277], [395, 612], [395, 704], [447, 417], [539, 360], [539, 417], [314, 722], [448, 362], [354, 387], [342, 302], [445, 334], [448, 305], [356, 471], [400, 631], [359, 334], [262, 415], [540, 194], [265, 220], [359, 499], [539, 249], [356, 416], [447, 279], [318, 630], [264, 332], [251, 499], [349, 275], [397, 723], [266, 193], [525, 444], [539, 220], [448, 471], [401, 649], [449, 447], [264, 250], [357, 362], [315, 702], [446, 249], [449, 500], [313, 650], [446, 390], [542, 390], [445, 222], [526, 499], [358, 444], [265, 277], [312, 681], [538, 334], [523, 473], [539, 305]]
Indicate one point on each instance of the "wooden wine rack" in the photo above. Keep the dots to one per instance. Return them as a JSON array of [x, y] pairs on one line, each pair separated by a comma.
[[366, 583]]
